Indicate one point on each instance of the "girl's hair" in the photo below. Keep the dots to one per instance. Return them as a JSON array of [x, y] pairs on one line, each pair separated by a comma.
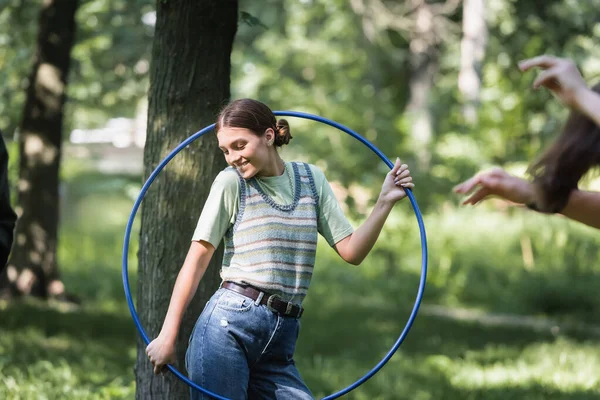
[[254, 116], [558, 171]]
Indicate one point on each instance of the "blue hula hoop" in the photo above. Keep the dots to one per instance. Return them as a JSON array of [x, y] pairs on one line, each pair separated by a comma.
[[326, 121]]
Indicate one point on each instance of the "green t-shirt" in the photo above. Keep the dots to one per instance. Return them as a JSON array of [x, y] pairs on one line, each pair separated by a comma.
[[221, 207]]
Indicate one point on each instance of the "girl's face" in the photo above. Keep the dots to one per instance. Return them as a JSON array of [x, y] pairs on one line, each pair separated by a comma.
[[244, 150]]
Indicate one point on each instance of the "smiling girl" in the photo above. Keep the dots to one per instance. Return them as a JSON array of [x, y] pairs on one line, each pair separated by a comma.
[[269, 213]]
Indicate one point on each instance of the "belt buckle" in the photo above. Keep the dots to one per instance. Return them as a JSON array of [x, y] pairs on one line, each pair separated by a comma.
[[288, 307], [270, 302]]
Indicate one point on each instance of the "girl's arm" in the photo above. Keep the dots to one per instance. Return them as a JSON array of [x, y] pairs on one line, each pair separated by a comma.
[[187, 282], [588, 103], [356, 247], [583, 207], [161, 350]]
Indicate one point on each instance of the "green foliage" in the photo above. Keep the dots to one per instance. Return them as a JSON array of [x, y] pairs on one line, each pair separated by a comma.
[[325, 66], [94, 213], [315, 57], [17, 38], [110, 60], [251, 20]]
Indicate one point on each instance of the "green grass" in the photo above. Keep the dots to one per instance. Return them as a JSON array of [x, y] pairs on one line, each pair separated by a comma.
[[354, 314], [46, 353], [346, 334]]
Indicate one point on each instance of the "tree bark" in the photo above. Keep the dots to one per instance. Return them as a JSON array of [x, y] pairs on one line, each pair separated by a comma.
[[472, 53], [189, 83], [33, 269], [424, 64]]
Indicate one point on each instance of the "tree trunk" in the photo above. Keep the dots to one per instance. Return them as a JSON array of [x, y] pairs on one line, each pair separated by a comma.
[[472, 52], [423, 68], [189, 83], [32, 269]]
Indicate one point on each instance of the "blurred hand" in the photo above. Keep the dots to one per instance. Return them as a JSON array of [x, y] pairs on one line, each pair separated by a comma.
[[497, 183], [560, 75], [395, 182], [161, 352]]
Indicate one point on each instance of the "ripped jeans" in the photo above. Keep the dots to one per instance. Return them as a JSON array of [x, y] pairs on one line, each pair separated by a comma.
[[241, 350]]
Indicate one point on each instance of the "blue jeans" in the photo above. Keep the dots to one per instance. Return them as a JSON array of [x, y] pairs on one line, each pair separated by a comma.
[[241, 350]]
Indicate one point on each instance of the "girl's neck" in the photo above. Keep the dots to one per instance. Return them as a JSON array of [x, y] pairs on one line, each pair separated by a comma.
[[274, 167]]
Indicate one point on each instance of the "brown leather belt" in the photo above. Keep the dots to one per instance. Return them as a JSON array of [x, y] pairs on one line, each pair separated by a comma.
[[272, 301]]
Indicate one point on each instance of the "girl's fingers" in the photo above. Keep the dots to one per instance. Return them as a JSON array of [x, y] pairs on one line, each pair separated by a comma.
[[467, 185], [397, 166], [403, 180], [476, 197], [408, 185], [544, 61], [545, 78], [458, 188], [402, 172], [403, 169]]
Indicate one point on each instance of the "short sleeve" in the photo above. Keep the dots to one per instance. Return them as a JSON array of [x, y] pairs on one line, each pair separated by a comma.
[[333, 224], [220, 210]]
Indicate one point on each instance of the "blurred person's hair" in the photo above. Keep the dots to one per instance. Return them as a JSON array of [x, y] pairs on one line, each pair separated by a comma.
[[560, 168]]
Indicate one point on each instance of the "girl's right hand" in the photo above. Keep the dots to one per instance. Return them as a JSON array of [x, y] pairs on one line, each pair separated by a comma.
[[560, 75], [161, 352]]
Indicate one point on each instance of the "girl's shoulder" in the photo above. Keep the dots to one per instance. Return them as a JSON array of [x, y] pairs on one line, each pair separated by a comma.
[[317, 173], [228, 180], [314, 170]]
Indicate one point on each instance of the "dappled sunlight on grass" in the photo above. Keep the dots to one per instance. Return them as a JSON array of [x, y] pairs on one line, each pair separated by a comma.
[[72, 354], [449, 360], [562, 365]]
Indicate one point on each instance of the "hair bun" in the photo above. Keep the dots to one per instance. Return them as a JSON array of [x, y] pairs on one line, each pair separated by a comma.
[[283, 134]]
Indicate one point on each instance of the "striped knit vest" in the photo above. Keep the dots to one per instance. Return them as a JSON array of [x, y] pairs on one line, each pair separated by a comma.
[[273, 246]]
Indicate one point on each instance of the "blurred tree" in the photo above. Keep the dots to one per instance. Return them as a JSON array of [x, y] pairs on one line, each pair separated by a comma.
[[426, 24], [431, 27], [472, 52], [33, 269], [189, 82]]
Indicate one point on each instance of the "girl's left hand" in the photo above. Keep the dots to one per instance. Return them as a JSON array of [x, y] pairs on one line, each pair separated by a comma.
[[395, 182], [497, 183], [560, 75]]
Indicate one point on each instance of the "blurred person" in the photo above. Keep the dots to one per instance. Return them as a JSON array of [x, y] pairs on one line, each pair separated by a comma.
[[269, 213], [556, 174]]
